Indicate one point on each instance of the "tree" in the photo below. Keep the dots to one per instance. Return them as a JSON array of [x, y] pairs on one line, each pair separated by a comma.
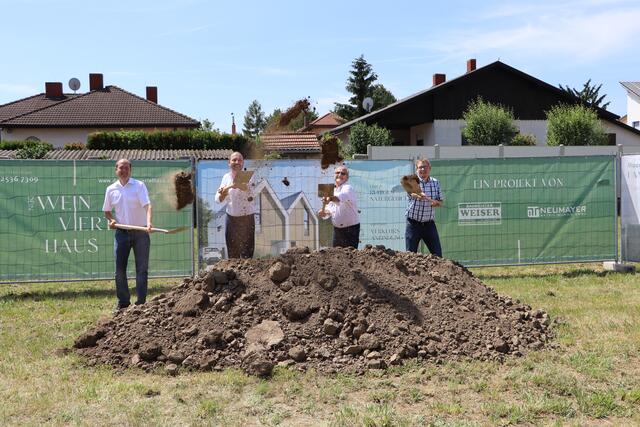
[[361, 85], [574, 125], [589, 95], [254, 120], [362, 135], [206, 125], [295, 124], [488, 124], [381, 97]]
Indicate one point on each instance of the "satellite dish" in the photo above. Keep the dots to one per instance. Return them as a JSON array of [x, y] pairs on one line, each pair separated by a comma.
[[367, 104], [74, 84]]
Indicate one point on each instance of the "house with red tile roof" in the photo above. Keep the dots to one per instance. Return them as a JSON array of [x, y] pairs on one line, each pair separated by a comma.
[[292, 145], [61, 118], [324, 123]]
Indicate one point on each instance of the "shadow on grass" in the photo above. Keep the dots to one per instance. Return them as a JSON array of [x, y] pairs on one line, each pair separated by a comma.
[[580, 272], [71, 294]]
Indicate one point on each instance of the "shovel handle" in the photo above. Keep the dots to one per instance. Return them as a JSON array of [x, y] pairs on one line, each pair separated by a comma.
[[140, 228]]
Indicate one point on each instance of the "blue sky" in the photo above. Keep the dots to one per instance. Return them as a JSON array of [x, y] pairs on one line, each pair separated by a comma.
[[211, 58]]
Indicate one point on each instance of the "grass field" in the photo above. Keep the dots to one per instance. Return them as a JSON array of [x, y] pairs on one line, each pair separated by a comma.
[[591, 377]]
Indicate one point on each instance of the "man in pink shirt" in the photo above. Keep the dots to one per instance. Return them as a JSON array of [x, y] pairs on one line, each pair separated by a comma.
[[342, 207]]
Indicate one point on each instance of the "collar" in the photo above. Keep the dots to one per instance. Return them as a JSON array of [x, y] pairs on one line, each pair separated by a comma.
[[424, 180], [130, 181]]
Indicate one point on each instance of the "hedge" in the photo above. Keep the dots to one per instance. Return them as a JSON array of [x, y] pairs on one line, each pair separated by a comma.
[[172, 140], [17, 145]]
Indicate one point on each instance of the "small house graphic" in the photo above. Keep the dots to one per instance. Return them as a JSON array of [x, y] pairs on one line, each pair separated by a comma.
[[280, 223]]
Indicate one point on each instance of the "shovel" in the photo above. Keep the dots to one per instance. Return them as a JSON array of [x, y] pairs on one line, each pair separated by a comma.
[[153, 229]]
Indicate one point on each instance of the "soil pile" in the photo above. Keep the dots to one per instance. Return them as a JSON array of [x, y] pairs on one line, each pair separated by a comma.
[[338, 309]]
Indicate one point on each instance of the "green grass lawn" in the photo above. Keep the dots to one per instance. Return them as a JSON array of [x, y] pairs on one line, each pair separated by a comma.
[[590, 377]]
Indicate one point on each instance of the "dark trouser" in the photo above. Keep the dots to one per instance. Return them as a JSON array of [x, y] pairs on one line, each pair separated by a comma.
[[140, 242], [347, 236], [240, 236], [426, 231]]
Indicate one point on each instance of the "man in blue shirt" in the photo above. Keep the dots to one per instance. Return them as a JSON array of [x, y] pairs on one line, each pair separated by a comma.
[[420, 211]]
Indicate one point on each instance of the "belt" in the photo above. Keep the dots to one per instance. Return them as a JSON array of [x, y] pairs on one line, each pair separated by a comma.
[[414, 222]]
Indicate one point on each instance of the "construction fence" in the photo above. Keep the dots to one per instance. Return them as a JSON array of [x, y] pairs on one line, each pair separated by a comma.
[[497, 211]]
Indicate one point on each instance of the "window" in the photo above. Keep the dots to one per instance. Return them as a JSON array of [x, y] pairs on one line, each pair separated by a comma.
[[420, 143], [305, 220], [33, 139], [611, 137], [635, 124], [258, 216]]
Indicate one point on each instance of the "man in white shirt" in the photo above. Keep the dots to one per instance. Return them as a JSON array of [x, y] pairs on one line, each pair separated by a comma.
[[240, 222], [342, 207], [130, 200]]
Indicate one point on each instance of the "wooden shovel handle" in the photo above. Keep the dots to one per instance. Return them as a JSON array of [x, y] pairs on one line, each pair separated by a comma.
[[140, 228]]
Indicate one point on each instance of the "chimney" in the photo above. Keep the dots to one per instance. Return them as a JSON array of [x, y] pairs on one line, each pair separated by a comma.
[[152, 94], [471, 65], [233, 124], [439, 78], [53, 90], [95, 82]]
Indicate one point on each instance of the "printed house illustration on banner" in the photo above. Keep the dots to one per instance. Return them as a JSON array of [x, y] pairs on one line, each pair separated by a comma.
[[280, 224]]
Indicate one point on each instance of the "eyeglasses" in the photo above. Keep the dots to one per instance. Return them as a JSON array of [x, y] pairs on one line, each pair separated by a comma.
[[341, 173], [423, 167]]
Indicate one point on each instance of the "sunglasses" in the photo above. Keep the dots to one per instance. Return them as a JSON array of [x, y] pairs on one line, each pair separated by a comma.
[[341, 173]]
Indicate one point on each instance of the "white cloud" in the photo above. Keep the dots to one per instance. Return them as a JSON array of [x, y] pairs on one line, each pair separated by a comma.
[[577, 35], [582, 37]]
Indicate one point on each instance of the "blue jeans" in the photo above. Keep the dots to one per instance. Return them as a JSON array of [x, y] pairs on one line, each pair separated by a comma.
[[425, 231], [140, 242]]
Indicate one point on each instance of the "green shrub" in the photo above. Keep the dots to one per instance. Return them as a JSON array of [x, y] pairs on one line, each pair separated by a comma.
[[574, 125], [171, 140], [75, 146], [488, 124], [35, 150], [523, 139], [362, 135], [16, 145]]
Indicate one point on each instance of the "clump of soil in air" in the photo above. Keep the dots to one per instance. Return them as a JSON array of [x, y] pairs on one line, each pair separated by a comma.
[[300, 106], [184, 189], [330, 151], [333, 310], [411, 184]]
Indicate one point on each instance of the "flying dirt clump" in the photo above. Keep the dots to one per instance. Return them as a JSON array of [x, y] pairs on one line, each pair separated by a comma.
[[330, 149], [184, 189], [337, 309]]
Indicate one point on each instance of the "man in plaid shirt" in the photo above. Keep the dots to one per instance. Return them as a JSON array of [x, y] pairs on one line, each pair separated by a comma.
[[420, 212]]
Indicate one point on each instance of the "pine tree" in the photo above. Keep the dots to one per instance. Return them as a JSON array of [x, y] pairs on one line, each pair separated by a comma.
[[254, 120], [361, 85], [588, 95]]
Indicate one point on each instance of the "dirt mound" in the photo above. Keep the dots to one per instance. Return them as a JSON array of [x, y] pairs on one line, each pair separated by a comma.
[[338, 309], [184, 189]]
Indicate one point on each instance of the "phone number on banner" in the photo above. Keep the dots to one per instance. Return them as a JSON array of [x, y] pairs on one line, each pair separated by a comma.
[[16, 179]]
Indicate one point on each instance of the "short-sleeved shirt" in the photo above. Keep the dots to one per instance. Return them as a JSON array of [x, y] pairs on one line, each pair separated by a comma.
[[128, 201], [345, 213], [239, 203], [421, 210]]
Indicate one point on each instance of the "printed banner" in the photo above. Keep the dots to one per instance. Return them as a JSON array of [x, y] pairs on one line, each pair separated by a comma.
[[630, 207], [286, 199], [527, 210], [52, 226]]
